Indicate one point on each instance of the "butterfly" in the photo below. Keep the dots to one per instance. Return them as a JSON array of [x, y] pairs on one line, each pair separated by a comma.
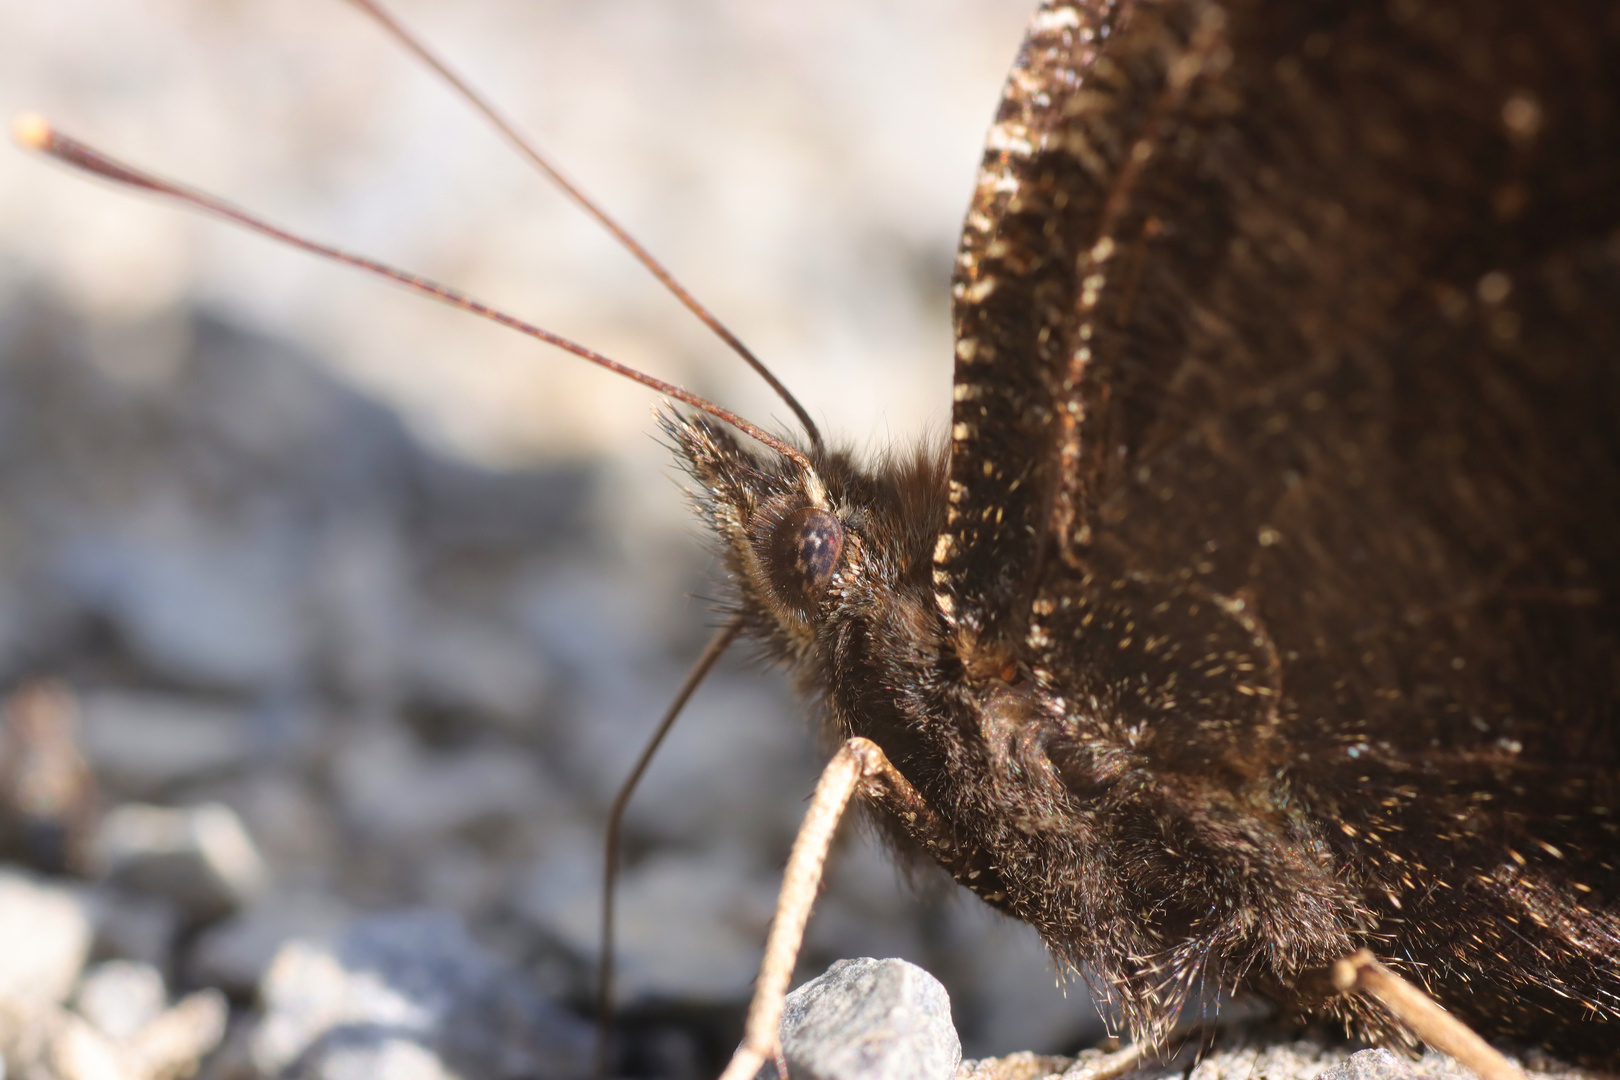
[[1267, 604]]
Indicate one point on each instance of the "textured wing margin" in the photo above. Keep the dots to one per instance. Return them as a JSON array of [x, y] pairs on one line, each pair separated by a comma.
[[1071, 132]]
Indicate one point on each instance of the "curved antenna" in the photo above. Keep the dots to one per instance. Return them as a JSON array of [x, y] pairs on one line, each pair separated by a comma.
[[587, 204], [36, 133], [615, 834]]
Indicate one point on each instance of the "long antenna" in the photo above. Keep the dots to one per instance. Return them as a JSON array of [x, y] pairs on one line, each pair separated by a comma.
[[36, 133], [587, 204]]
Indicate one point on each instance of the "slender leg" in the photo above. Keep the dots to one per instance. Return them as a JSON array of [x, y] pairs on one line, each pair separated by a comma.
[[615, 826], [1363, 974], [856, 761]]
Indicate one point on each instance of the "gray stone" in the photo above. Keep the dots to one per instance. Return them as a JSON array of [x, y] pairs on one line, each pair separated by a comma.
[[195, 599], [144, 742], [1371, 1065], [370, 1055], [133, 925], [200, 857], [469, 666], [120, 997], [869, 1020], [411, 992], [235, 953], [399, 791], [46, 931]]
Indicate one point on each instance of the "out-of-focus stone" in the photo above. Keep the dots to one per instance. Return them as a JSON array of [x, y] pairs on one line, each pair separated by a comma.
[[45, 934], [1023, 1065], [1371, 1065], [51, 1043], [200, 857], [171, 1045], [197, 599], [344, 1006], [689, 927], [120, 997], [143, 742], [133, 925], [869, 1020], [1242, 1054], [234, 954], [371, 1056], [467, 666], [292, 821], [397, 790], [77, 1051]]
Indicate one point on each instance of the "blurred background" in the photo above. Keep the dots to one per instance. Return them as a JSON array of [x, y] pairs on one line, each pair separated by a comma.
[[331, 618]]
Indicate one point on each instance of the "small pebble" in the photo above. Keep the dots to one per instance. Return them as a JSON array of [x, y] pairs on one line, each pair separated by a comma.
[[201, 857], [120, 997], [46, 933], [869, 1020], [1371, 1065]]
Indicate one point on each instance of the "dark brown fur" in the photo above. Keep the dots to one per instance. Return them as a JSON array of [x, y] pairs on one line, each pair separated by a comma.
[[1269, 606]]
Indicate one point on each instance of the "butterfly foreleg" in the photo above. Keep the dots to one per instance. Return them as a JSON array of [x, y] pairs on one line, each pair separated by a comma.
[[858, 765], [1362, 973]]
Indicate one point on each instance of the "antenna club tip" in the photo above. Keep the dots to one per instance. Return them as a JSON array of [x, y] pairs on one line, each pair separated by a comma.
[[31, 130]]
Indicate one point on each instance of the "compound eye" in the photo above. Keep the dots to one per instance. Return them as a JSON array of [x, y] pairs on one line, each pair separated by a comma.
[[803, 552]]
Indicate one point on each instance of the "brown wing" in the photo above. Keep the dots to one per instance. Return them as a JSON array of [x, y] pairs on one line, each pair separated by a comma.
[[1013, 299], [1311, 312]]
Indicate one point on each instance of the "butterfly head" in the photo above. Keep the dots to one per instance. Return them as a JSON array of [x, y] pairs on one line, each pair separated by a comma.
[[814, 547]]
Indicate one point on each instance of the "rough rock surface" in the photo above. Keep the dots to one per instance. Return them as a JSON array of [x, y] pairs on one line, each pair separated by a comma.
[[410, 992], [1245, 1055], [869, 1019]]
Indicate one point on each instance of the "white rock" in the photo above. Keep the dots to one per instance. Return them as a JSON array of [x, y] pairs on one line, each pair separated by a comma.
[[77, 1051], [120, 997], [234, 954], [383, 1058], [46, 933], [200, 857], [1371, 1065], [172, 1044]]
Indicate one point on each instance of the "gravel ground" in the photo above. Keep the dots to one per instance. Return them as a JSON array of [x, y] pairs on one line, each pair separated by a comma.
[[329, 622], [356, 607], [277, 668]]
